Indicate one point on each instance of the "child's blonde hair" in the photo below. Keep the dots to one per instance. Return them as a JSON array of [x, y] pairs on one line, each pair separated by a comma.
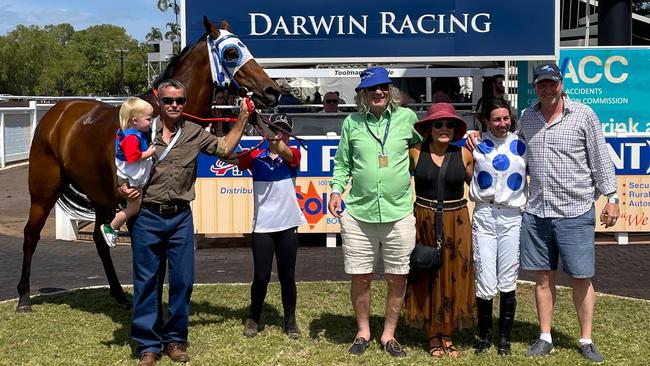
[[134, 107]]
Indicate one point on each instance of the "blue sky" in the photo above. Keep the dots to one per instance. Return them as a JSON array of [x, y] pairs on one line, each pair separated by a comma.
[[136, 16]]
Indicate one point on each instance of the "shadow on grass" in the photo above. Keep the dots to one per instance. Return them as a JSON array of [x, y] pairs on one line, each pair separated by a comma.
[[98, 301], [341, 329]]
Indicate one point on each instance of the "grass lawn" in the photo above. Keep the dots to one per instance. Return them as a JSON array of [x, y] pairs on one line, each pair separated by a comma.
[[86, 327]]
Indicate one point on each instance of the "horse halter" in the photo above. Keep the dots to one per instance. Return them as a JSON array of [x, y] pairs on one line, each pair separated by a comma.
[[223, 70]]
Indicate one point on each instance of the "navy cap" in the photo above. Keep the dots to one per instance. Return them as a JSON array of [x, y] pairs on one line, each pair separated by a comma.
[[547, 71], [372, 76], [282, 120]]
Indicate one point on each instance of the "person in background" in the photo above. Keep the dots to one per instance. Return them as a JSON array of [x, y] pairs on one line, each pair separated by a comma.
[[287, 98], [496, 90], [373, 151], [444, 302], [330, 103], [500, 190]]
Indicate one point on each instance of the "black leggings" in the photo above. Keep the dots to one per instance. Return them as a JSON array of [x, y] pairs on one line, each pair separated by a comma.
[[285, 246]]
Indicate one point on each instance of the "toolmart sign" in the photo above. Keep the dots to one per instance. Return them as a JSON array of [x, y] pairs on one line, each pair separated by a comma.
[[325, 31]]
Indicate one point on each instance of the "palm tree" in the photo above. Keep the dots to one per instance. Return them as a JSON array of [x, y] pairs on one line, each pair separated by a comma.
[[154, 34], [174, 35]]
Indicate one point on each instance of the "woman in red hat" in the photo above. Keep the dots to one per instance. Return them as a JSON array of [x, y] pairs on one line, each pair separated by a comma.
[[444, 302]]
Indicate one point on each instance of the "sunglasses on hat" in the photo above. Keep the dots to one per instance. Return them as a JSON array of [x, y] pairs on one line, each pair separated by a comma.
[[449, 124], [170, 100]]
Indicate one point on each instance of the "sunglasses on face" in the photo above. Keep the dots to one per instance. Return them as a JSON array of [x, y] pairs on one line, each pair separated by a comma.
[[170, 100], [449, 124], [331, 101], [382, 87]]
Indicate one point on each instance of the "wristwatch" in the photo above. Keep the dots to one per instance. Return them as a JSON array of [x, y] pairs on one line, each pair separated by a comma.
[[613, 199]]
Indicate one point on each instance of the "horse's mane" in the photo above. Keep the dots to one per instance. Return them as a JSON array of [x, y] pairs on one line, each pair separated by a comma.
[[171, 65]]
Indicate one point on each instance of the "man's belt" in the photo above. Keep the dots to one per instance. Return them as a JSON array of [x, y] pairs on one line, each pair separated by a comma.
[[166, 209], [447, 205]]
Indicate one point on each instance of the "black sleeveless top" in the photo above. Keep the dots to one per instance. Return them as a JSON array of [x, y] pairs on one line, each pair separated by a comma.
[[426, 175]]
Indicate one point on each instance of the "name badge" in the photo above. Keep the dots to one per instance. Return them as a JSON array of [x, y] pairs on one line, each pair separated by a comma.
[[383, 161]]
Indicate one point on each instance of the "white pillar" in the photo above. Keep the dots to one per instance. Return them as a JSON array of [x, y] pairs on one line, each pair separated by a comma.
[[66, 227], [330, 240]]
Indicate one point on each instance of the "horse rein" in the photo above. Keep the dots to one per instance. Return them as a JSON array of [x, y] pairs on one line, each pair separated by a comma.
[[253, 112]]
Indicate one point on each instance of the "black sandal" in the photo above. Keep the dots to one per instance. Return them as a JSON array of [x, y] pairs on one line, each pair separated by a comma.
[[435, 348], [451, 348]]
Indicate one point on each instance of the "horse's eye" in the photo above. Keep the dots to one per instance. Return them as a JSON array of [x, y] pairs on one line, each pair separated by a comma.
[[231, 54]]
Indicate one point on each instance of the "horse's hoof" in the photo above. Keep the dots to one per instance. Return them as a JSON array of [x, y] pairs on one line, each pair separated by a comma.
[[24, 309]]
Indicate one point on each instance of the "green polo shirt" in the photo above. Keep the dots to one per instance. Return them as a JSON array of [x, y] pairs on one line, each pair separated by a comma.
[[377, 194]]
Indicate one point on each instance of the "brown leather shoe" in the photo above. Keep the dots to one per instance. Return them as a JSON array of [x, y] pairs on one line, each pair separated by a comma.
[[176, 351], [147, 359]]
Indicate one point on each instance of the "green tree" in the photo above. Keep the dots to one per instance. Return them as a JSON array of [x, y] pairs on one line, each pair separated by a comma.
[[154, 34], [100, 45]]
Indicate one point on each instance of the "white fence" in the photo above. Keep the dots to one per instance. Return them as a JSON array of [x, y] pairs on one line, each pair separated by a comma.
[[17, 126]]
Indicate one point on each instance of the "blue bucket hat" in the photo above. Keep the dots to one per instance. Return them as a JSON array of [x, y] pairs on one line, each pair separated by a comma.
[[373, 76]]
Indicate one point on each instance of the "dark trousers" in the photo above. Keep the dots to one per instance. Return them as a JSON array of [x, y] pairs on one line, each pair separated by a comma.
[[158, 241], [284, 244]]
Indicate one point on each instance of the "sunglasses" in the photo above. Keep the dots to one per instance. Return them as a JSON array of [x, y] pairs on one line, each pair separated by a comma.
[[170, 100], [449, 124], [382, 87], [332, 101]]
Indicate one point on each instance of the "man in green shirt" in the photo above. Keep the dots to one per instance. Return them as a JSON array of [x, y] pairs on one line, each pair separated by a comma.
[[373, 151]]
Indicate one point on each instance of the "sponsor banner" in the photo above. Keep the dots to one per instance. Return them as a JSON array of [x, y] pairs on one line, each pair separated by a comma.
[[389, 30], [612, 81], [225, 205], [316, 161], [634, 195]]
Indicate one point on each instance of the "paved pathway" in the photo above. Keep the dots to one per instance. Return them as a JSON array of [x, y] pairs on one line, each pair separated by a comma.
[[621, 270]]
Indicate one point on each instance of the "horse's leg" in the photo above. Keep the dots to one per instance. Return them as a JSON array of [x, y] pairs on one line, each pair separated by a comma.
[[44, 189], [104, 215]]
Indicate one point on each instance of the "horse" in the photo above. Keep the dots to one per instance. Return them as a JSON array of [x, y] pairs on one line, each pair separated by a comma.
[[73, 148]]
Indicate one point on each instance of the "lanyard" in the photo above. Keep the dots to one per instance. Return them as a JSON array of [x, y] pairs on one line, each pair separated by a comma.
[[171, 143], [381, 143]]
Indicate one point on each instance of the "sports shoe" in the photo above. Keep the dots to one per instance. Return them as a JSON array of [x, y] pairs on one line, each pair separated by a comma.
[[590, 352], [110, 235], [358, 346], [292, 330], [394, 348], [539, 348], [250, 328]]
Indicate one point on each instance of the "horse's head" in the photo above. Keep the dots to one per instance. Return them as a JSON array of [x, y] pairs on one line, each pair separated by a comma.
[[233, 65]]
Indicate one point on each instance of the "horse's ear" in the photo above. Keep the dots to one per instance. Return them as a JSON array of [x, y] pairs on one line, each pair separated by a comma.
[[224, 25], [210, 28]]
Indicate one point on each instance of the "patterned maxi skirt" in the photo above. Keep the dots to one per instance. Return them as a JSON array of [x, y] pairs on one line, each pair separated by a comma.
[[446, 302]]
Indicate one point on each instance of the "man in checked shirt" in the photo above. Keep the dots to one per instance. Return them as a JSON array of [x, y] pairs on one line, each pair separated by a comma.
[[569, 168]]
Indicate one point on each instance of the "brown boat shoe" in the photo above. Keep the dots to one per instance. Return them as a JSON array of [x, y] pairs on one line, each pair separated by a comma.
[[147, 359], [176, 351]]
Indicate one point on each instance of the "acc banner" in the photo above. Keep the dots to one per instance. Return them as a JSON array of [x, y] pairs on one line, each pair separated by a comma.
[[325, 31], [612, 81]]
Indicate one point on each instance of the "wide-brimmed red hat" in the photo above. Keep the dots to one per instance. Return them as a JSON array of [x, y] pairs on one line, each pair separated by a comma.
[[441, 111]]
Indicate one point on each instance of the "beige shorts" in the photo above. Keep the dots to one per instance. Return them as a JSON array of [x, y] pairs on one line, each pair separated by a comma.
[[361, 242]]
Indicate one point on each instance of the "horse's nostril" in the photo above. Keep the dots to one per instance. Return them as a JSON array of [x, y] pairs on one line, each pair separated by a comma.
[[272, 92]]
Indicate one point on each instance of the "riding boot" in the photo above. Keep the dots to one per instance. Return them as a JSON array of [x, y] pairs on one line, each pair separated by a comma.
[[507, 307], [484, 325]]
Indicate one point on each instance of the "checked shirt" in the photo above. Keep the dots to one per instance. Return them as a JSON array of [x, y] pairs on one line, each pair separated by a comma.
[[568, 161]]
